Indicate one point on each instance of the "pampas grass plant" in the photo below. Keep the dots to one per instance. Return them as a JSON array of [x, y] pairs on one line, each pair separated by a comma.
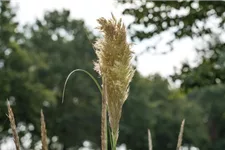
[[114, 66]]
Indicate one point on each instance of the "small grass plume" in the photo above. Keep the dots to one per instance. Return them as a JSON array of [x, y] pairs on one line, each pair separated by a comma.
[[180, 137], [114, 66], [13, 127], [43, 133], [149, 140]]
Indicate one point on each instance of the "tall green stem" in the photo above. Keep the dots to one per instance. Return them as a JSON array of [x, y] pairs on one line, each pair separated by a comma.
[[114, 141]]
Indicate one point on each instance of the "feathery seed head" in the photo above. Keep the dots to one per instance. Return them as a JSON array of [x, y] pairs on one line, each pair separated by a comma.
[[114, 65]]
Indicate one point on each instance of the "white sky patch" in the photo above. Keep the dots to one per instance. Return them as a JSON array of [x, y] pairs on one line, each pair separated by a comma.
[[89, 11], [165, 64]]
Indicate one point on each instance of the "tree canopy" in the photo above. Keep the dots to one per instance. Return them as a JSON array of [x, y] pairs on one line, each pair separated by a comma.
[[182, 18], [18, 83]]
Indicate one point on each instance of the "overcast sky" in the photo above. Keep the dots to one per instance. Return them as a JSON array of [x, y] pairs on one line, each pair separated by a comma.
[[90, 10]]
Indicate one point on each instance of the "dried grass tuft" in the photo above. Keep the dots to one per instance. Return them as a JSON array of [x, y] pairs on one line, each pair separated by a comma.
[[43, 133], [149, 140], [13, 127], [180, 137]]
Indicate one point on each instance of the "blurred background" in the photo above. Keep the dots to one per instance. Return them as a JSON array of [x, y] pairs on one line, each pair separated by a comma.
[[179, 54]]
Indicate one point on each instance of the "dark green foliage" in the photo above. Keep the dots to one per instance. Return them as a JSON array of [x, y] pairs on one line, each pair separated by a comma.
[[158, 13], [17, 75], [182, 18], [153, 105], [210, 71], [65, 45], [205, 81], [211, 98]]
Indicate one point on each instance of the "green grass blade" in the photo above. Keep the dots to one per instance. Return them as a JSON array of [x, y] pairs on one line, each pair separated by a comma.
[[80, 70]]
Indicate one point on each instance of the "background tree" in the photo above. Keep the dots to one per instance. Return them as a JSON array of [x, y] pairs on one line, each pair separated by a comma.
[[17, 72], [66, 44], [211, 98], [181, 18], [189, 19], [152, 104], [210, 71]]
